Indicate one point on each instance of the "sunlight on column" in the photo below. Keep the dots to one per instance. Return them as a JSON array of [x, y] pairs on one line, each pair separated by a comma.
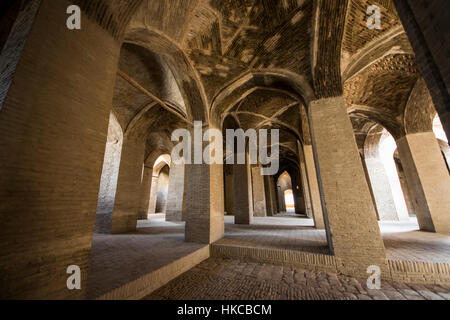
[[386, 151], [438, 129]]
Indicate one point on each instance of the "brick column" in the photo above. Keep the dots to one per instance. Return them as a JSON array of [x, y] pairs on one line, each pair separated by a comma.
[[304, 181], [108, 183], [299, 200], [174, 209], [390, 207], [259, 196], [129, 185], [428, 180], [228, 181], [204, 203], [281, 200], [352, 227], [269, 187], [153, 194], [242, 194], [53, 129], [268, 184], [145, 193], [314, 187]]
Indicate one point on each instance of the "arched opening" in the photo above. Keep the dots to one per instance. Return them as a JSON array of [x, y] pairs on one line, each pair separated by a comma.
[[379, 148], [228, 169], [163, 187], [159, 185], [289, 200], [284, 187]]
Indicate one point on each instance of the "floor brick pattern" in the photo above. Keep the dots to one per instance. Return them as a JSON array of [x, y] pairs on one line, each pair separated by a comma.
[[402, 240], [119, 259], [228, 279]]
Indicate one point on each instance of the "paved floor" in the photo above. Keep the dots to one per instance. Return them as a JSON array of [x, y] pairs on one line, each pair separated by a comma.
[[119, 259], [402, 240], [225, 279], [276, 233]]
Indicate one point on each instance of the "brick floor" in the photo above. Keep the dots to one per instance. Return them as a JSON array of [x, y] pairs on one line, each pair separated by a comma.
[[276, 233], [227, 279], [119, 259], [403, 241]]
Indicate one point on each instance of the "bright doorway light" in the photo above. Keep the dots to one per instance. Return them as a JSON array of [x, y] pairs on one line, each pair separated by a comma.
[[289, 200]]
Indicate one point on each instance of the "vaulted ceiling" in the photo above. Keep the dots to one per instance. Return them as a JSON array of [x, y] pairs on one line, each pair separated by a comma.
[[179, 54]]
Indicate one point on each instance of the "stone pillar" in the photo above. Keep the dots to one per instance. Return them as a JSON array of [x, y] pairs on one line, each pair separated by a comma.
[[145, 193], [129, 185], [53, 130], [153, 194], [390, 205], [405, 188], [163, 188], [228, 181], [174, 209], [445, 149], [299, 200], [281, 200], [428, 180], [242, 194], [351, 223], [314, 187], [203, 203], [304, 181], [270, 196], [108, 183], [259, 196]]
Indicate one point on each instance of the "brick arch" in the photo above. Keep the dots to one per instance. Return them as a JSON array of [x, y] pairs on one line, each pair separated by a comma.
[[183, 71], [419, 111], [372, 141], [162, 161], [385, 119], [328, 33], [112, 15], [285, 81]]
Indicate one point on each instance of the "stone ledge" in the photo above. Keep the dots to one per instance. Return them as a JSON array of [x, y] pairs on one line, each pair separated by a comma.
[[308, 261], [400, 271], [420, 272]]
